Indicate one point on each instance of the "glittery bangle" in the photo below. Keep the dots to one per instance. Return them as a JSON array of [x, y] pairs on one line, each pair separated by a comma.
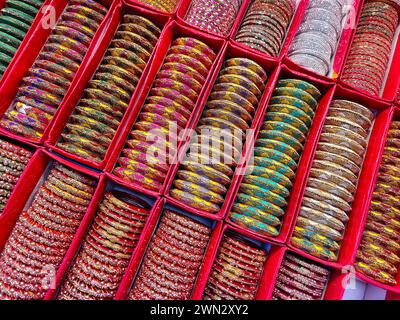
[[118, 225], [310, 266], [15, 149], [84, 292], [79, 276], [38, 238], [235, 255], [124, 213], [59, 201], [252, 256], [213, 284], [55, 218], [220, 264], [93, 240], [154, 292], [121, 204], [65, 195], [243, 246], [187, 222], [161, 244], [101, 262], [31, 254], [5, 177], [71, 215], [114, 215], [316, 293], [13, 157], [173, 258], [303, 279], [97, 254], [98, 274], [36, 246], [235, 274], [168, 293], [147, 275], [164, 272], [293, 292], [184, 230], [70, 181], [12, 164], [184, 238], [43, 231], [16, 255], [183, 270], [163, 264], [237, 285], [162, 236], [75, 175], [37, 216], [301, 270], [237, 263], [21, 281], [10, 171], [122, 242]]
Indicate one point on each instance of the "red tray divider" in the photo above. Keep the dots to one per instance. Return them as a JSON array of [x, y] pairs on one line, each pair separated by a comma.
[[68, 105]]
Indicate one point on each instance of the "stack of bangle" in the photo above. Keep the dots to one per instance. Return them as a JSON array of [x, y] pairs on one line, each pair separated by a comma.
[[300, 279], [265, 25], [173, 259], [378, 255], [263, 195], [106, 251], [371, 49], [13, 160], [43, 234], [97, 116], [216, 16], [166, 113], [237, 270], [163, 5], [15, 20], [329, 193], [205, 173], [50, 77]]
